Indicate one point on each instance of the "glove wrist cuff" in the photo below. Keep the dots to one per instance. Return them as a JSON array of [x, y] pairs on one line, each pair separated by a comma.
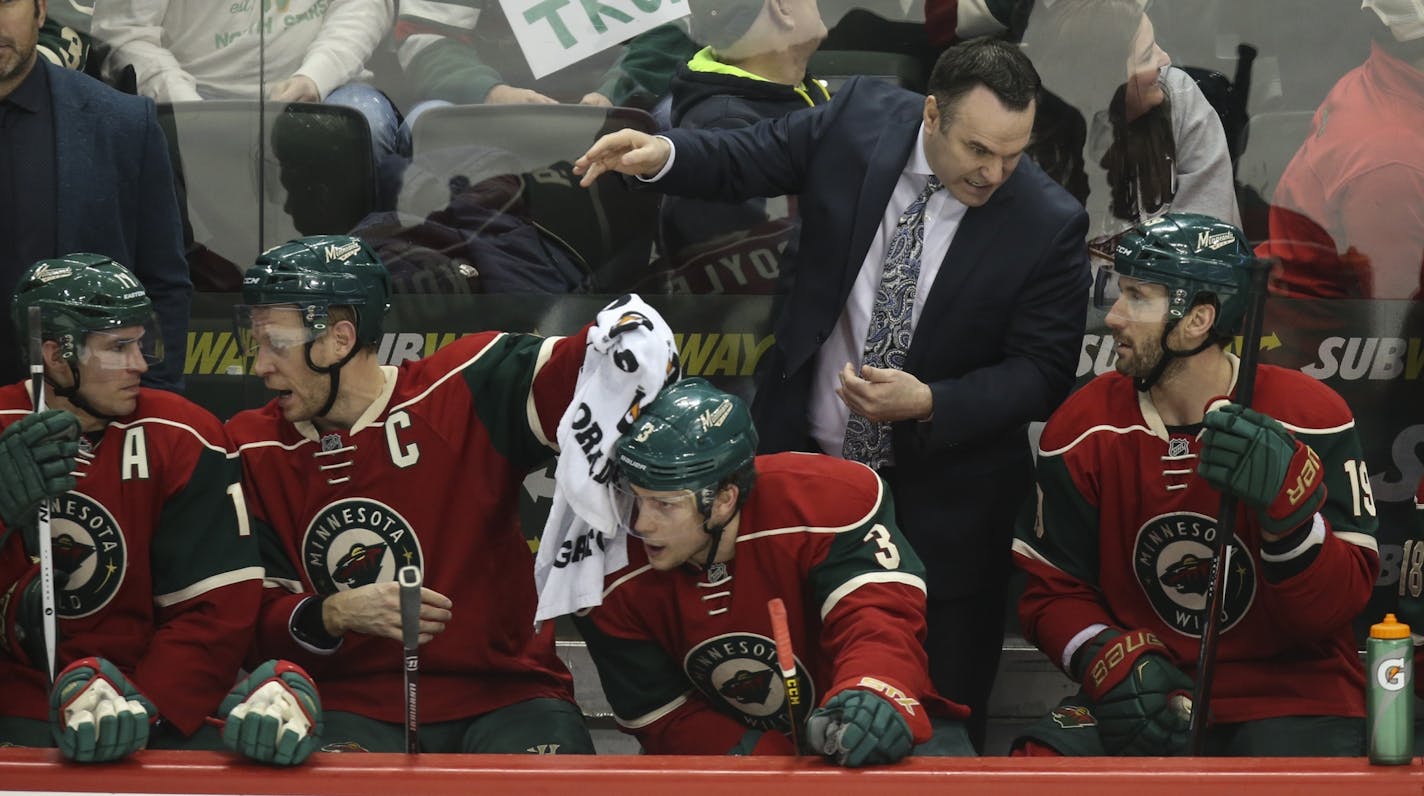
[[909, 708], [1112, 662], [1301, 495]]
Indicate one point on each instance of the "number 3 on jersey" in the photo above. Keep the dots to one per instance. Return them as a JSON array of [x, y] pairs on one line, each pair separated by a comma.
[[888, 555]]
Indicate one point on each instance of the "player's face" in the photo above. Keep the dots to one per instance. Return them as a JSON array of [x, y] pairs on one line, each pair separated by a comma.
[[19, 31], [1136, 321], [1144, 65], [110, 366], [670, 526], [979, 148], [278, 346]]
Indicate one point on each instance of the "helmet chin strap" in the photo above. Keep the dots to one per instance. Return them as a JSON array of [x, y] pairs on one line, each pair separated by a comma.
[[333, 373], [1146, 383], [72, 395], [715, 532]]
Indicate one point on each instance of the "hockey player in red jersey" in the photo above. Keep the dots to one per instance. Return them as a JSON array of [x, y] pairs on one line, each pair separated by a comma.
[[1131, 471], [355, 470], [156, 575], [683, 642]]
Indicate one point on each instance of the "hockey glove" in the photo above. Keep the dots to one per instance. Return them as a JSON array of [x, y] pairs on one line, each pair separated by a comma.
[[22, 620], [96, 714], [1135, 688], [273, 715], [866, 724], [1252, 456], [36, 457]]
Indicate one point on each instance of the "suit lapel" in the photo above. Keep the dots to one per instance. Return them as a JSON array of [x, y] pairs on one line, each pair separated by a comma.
[[977, 230], [74, 133], [887, 161]]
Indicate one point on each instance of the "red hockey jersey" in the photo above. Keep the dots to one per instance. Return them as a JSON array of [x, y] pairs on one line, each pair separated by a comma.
[[429, 476], [1124, 539], [155, 565], [687, 658]]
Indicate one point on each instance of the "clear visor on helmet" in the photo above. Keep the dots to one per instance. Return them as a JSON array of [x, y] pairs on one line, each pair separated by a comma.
[[277, 328], [124, 348], [660, 509]]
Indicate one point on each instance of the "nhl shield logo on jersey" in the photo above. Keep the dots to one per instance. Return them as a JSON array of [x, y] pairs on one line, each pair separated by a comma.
[[1172, 559], [357, 542], [90, 556], [737, 673]]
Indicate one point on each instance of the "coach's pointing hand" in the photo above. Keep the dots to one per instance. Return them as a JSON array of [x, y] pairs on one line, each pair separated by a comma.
[[626, 152], [374, 609]]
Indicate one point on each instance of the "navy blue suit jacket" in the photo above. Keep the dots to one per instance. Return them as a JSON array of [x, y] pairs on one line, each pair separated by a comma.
[[115, 197], [999, 334]]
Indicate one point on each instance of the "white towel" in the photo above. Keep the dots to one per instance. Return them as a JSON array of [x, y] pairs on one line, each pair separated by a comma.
[[629, 356]]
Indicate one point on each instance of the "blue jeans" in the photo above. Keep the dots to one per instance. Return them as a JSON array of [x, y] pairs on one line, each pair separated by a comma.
[[379, 112]]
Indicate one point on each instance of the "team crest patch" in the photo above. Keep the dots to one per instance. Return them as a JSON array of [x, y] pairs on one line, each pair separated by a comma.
[[736, 672], [90, 556], [1072, 717], [356, 542], [1172, 560]]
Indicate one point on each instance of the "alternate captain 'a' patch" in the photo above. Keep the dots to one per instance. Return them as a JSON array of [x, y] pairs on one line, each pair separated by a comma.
[[356, 542], [90, 555], [737, 672], [1172, 560]]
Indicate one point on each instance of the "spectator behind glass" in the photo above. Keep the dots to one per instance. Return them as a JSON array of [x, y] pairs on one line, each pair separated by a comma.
[[1347, 219], [464, 52], [64, 37], [313, 51], [1127, 133], [84, 168], [753, 68]]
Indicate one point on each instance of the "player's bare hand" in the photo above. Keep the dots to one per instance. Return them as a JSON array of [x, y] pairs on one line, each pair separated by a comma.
[[509, 95], [596, 99], [374, 609], [626, 152], [885, 395], [298, 88]]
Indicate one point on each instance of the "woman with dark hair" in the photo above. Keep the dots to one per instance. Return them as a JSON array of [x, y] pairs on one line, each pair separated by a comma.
[[1125, 132]]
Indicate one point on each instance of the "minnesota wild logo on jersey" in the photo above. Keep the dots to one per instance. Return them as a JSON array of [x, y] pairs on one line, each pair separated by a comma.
[[356, 542], [1172, 558], [90, 556], [737, 673]]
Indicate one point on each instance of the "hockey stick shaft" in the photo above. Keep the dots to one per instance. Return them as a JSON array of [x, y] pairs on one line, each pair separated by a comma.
[[409, 578], [47, 599], [790, 678], [1226, 521]]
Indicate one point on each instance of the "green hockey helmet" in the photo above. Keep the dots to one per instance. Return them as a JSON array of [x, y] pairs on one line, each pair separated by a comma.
[[691, 436], [1192, 255], [82, 294], [316, 273]]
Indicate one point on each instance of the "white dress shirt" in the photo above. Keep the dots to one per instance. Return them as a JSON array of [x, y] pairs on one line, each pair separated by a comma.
[[827, 412]]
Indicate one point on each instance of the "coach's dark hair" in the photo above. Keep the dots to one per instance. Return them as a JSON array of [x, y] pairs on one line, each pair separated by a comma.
[[994, 64]]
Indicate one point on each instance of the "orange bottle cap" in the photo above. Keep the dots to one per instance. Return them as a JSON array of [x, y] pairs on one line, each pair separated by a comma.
[[1389, 628]]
